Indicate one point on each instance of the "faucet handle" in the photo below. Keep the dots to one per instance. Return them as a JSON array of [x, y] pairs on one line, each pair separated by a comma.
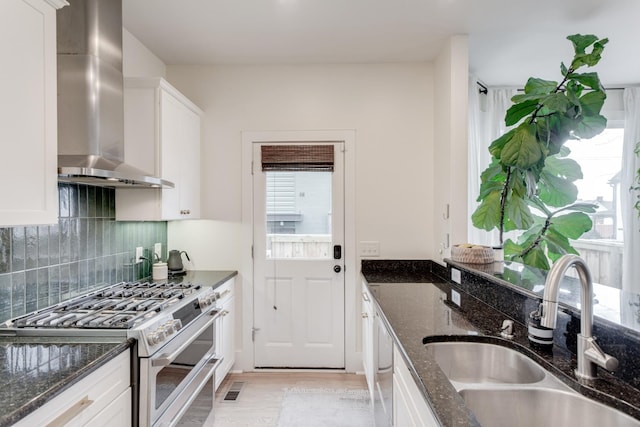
[[506, 331], [594, 353]]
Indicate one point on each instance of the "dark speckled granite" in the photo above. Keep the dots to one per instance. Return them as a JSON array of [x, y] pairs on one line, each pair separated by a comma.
[[415, 300], [213, 278], [35, 370]]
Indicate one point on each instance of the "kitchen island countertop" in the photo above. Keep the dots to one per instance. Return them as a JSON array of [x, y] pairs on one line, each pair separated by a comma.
[[415, 302]]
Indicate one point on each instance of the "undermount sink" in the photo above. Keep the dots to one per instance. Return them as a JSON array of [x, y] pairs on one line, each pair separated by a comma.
[[504, 388], [540, 407], [472, 362]]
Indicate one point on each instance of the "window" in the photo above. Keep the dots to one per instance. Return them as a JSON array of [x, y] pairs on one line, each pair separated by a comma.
[[601, 161]]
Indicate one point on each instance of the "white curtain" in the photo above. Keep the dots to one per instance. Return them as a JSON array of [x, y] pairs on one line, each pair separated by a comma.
[[630, 166], [486, 123]]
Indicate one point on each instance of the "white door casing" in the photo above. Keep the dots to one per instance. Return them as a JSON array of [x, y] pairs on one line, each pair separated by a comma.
[[299, 302]]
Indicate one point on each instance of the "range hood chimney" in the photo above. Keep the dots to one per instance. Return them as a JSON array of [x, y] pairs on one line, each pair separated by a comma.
[[90, 97]]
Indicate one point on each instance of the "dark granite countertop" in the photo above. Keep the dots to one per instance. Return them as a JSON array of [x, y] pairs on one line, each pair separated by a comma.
[[34, 370], [415, 301], [213, 278]]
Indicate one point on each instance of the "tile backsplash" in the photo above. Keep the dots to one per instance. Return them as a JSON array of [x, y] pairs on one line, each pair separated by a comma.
[[87, 249]]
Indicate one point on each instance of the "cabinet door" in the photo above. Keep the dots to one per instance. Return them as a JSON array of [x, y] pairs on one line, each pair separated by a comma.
[[409, 405], [162, 137], [225, 344], [173, 150], [28, 113], [368, 340], [84, 401]]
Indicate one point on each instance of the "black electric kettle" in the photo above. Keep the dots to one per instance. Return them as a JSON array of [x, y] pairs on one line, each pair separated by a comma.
[[174, 262]]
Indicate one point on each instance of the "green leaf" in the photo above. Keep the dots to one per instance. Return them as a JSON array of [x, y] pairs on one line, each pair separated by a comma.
[[556, 102], [518, 211], [523, 149], [517, 111], [573, 225], [540, 86], [527, 97], [590, 126], [592, 102], [563, 167], [588, 79], [555, 191], [498, 144], [488, 187], [589, 59], [582, 42], [583, 207], [487, 214], [563, 69], [558, 244], [536, 258]]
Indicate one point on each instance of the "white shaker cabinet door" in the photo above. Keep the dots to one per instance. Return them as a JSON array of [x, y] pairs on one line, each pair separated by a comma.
[[162, 137], [28, 112]]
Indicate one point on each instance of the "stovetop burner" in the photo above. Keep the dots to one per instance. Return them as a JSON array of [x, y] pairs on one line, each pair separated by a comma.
[[121, 306]]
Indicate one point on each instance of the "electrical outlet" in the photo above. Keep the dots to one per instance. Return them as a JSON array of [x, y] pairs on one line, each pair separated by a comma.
[[456, 276], [157, 250], [139, 254], [370, 249], [455, 297]]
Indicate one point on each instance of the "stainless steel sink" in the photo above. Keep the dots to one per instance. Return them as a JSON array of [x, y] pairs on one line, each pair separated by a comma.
[[503, 387], [472, 362], [537, 407]]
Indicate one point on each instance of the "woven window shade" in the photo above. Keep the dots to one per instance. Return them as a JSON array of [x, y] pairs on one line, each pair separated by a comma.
[[297, 157]]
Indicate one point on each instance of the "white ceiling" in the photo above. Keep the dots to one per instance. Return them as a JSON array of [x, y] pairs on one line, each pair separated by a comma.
[[509, 40]]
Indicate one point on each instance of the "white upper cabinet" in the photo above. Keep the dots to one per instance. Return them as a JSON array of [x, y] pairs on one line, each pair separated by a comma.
[[162, 137], [28, 112]]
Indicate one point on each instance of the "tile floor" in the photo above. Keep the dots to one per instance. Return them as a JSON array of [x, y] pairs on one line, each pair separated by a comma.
[[259, 402]]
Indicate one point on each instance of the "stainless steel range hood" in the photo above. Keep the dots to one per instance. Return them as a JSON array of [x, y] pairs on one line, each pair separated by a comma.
[[90, 97]]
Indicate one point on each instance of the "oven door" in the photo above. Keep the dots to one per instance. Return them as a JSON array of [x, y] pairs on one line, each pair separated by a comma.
[[173, 377]]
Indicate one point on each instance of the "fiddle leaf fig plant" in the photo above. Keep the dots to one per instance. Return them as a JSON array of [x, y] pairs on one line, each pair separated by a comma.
[[529, 184]]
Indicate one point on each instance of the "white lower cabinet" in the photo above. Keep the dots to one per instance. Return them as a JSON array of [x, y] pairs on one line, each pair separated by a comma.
[[368, 340], [225, 331], [409, 406], [102, 398]]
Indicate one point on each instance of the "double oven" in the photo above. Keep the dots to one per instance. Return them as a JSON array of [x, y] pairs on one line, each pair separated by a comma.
[[174, 324]]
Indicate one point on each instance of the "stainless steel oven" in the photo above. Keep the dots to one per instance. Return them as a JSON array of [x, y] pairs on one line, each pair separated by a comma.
[[174, 376]]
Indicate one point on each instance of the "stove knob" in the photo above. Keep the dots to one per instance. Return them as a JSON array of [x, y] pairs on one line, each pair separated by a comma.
[[152, 339], [167, 328], [156, 337], [177, 324]]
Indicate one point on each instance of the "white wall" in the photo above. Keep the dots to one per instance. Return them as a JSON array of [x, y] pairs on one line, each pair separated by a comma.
[[450, 149], [389, 105], [138, 60]]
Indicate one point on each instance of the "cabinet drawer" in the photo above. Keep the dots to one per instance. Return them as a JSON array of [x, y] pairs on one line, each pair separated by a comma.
[[84, 400]]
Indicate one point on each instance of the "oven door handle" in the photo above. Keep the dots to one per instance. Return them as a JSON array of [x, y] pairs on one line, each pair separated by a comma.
[[167, 359], [213, 365]]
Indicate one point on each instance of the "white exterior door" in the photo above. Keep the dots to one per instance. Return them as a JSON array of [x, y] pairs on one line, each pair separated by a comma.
[[298, 264]]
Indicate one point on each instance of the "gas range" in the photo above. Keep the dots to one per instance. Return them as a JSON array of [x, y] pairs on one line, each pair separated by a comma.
[[150, 312]]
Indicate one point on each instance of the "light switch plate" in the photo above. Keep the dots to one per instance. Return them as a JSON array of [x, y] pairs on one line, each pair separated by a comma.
[[370, 249]]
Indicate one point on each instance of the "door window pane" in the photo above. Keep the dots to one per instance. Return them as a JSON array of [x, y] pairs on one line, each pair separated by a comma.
[[298, 207]]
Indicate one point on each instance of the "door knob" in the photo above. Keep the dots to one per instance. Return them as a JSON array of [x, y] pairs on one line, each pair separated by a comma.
[[337, 268]]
